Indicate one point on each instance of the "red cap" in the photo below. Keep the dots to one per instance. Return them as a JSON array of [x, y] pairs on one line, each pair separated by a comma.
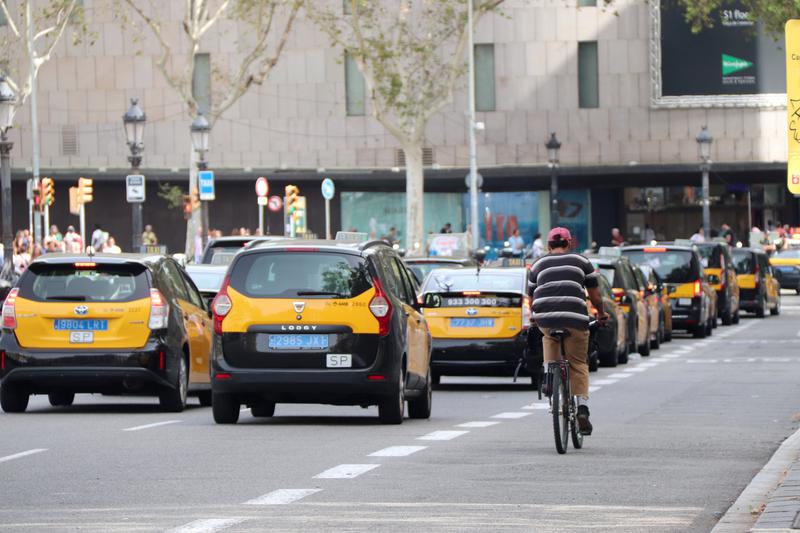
[[559, 234]]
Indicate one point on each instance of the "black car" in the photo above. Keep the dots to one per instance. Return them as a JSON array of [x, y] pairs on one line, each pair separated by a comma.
[[107, 324], [320, 322]]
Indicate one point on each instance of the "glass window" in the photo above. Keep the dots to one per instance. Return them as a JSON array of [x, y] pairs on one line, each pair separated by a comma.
[[300, 274], [207, 280], [449, 281], [174, 280], [588, 83], [671, 266], [788, 254], [354, 87], [484, 77], [3, 20], [191, 289], [587, 3], [201, 83], [90, 283], [406, 288], [743, 262]]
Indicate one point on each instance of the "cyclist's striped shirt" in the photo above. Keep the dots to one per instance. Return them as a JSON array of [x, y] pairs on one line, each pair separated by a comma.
[[557, 283]]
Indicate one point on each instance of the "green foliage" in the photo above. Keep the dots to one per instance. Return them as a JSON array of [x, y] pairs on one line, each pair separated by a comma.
[[772, 13], [172, 195]]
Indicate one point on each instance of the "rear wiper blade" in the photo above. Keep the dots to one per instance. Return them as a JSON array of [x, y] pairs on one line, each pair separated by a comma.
[[75, 298], [321, 293]]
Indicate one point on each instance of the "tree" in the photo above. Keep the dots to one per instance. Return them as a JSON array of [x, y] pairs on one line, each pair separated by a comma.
[[257, 55], [773, 14], [411, 55]]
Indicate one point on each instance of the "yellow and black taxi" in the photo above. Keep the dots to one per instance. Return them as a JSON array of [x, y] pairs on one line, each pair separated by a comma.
[[611, 339], [680, 269], [721, 274], [479, 320], [618, 271], [786, 265], [104, 324], [758, 288], [655, 286], [652, 298], [320, 322]]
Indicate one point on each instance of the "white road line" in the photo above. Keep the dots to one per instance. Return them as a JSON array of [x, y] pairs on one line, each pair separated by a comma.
[[511, 415], [282, 496], [154, 425], [207, 525], [673, 355], [480, 424], [594, 388], [442, 435], [536, 406], [22, 454], [701, 361], [619, 375], [651, 364], [635, 369], [397, 451], [604, 381], [346, 471]]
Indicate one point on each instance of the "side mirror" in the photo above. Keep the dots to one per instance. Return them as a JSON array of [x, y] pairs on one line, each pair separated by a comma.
[[402, 252]]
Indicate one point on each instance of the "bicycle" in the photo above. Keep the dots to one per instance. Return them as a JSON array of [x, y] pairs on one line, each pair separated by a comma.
[[563, 404]]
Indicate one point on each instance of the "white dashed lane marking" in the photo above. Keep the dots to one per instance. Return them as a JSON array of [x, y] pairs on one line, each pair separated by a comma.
[[479, 424], [594, 389], [511, 415], [397, 451], [346, 471], [22, 454], [207, 525], [282, 496], [635, 369], [603, 381], [442, 435], [154, 425], [619, 375], [536, 406]]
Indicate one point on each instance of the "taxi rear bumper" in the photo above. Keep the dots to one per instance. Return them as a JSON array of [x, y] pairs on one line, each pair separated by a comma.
[[478, 357]]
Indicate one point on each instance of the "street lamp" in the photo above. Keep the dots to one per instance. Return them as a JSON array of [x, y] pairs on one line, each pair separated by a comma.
[[8, 101], [134, 120], [553, 146], [200, 130], [704, 140]]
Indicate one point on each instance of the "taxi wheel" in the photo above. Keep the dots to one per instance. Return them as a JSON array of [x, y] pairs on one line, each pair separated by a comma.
[[173, 399], [61, 398], [205, 398], [263, 409], [736, 317], [13, 398], [225, 408], [392, 408], [699, 332], [727, 318], [420, 408], [611, 358], [644, 349], [622, 357], [594, 362], [777, 309], [762, 306]]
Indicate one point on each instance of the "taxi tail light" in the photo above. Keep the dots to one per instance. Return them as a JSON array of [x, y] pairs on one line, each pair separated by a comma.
[[9, 309], [756, 273], [697, 288], [526, 312], [381, 308], [161, 360], [3, 360], [221, 305], [159, 311]]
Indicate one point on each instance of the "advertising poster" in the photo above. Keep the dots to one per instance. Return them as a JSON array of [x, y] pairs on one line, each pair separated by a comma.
[[574, 214], [502, 213]]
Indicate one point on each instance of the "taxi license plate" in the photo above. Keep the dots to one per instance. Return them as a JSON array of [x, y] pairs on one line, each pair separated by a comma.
[[81, 337], [298, 342], [80, 324], [685, 301], [471, 322]]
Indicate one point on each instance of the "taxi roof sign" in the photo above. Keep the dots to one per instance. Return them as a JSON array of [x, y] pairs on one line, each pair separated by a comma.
[[609, 251], [352, 236]]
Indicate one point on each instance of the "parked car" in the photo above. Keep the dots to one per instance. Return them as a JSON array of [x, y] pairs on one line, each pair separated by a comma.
[[301, 321], [422, 266], [718, 265], [110, 324], [759, 289], [786, 266], [691, 297], [208, 279], [655, 284], [479, 321], [611, 338], [655, 312]]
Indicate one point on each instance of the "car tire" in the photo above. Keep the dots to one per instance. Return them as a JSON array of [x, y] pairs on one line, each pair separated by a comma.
[[622, 357], [710, 327], [761, 309], [420, 407], [173, 399], [644, 349], [61, 398], [205, 398], [594, 362], [392, 408], [727, 318], [699, 332], [610, 359], [655, 343], [14, 398], [775, 311], [262, 409], [225, 408], [736, 317], [667, 335]]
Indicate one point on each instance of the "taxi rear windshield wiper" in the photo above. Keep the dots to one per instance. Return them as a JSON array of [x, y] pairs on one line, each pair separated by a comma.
[[321, 293], [75, 298]]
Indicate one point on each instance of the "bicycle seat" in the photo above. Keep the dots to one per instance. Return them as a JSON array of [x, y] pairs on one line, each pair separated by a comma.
[[559, 333]]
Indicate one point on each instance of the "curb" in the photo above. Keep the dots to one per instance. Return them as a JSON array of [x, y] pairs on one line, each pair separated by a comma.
[[739, 516]]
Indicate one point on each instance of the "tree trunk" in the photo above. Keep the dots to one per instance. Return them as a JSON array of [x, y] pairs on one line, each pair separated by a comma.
[[195, 221], [415, 187]]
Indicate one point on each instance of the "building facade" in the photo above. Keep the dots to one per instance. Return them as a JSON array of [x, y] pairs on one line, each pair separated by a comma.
[[585, 72]]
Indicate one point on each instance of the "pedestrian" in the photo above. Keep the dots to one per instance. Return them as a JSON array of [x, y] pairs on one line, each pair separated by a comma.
[[517, 243], [391, 237], [110, 246], [21, 259], [149, 236], [198, 246], [571, 277], [649, 234], [616, 237], [699, 236], [54, 242], [98, 238], [72, 241], [727, 233], [447, 228], [537, 248]]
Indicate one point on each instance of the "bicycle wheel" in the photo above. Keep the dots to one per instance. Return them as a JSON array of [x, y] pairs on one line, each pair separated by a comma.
[[577, 436], [560, 412]]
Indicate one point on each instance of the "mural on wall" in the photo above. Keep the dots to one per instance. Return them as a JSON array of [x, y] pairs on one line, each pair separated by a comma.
[[502, 213]]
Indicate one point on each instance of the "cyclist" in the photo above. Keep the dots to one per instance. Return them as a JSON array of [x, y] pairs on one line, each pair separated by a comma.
[[556, 285]]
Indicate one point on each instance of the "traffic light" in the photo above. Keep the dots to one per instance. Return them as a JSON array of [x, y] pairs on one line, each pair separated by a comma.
[[85, 190], [48, 192], [195, 199], [37, 197], [187, 206], [292, 199]]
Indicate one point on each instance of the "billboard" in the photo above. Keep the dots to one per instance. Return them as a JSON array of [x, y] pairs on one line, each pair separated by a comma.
[[732, 63]]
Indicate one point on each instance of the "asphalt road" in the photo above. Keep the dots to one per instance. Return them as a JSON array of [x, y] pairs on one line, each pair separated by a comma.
[[678, 435]]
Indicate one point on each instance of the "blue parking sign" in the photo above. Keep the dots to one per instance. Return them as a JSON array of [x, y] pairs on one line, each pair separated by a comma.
[[205, 180]]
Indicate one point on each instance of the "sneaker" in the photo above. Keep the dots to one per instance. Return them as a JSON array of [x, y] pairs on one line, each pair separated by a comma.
[[584, 425]]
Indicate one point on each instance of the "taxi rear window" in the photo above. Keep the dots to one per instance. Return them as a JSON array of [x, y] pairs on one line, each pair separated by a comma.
[[744, 263], [85, 282], [671, 266], [485, 282], [710, 256], [300, 274]]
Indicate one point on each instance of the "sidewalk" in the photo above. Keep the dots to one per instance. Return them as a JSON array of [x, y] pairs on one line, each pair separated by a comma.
[[776, 490]]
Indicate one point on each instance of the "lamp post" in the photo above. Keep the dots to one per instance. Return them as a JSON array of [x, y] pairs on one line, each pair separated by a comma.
[[553, 146], [200, 130], [134, 120], [8, 101], [704, 140]]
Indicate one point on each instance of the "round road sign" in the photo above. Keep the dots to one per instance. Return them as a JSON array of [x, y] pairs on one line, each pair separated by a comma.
[[328, 189], [262, 186], [275, 204]]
